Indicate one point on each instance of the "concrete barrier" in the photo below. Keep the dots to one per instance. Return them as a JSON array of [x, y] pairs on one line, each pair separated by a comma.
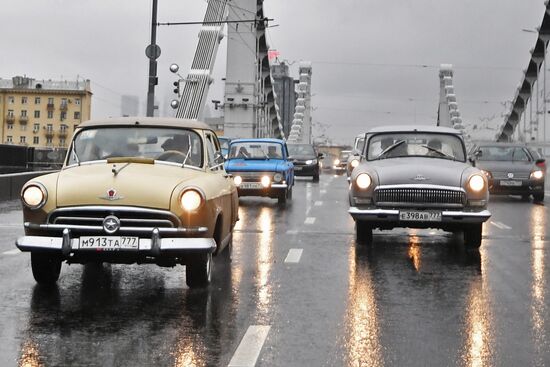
[[11, 184]]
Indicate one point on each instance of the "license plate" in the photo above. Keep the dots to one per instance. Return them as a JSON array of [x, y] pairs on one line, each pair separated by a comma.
[[510, 183], [109, 243], [420, 216], [297, 168], [250, 185]]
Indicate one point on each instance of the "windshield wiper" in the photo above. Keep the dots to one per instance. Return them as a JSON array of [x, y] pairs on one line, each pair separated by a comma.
[[390, 148], [188, 152], [439, 152]]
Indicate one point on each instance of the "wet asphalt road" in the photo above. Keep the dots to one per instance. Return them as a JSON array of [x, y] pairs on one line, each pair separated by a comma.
[[414, 298]]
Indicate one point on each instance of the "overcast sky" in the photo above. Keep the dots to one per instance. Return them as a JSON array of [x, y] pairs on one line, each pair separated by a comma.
[[374, 61]]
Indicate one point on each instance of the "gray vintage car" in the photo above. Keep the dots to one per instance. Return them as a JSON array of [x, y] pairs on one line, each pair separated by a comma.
[[418, 177]]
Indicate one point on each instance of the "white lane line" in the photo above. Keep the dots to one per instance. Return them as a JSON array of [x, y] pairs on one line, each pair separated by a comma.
[[318, 203], [323, 191], [292, 231], [248, 351], [12, 252], [10, 225], [500, 225], [309, 220], [294, 255]]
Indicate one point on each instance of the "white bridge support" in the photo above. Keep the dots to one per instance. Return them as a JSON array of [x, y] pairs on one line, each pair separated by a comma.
[[197, 83], [300, 132], [448, 113]]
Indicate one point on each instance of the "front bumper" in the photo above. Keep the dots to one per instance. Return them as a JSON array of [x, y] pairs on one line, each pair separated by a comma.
[[391, 216], [155, 246], [306, 170], [271, 191], [528, 186]]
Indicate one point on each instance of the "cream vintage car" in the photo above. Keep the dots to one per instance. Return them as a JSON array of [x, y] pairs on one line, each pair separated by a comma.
[[133, 190]]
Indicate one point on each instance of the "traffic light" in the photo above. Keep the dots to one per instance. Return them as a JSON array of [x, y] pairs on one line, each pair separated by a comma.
[[177, 85]]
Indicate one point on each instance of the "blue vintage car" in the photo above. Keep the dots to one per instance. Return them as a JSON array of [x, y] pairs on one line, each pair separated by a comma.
[[260, 167]]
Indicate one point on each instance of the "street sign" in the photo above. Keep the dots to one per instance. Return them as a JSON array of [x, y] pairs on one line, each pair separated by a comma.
[[152, 52]]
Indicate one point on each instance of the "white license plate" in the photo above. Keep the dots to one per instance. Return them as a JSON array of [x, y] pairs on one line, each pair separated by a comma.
[[420, 216], [250, 185], [510, 183], [109, 243], [297, 168]]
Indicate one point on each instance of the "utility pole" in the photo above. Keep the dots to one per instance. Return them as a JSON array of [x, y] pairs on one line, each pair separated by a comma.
[[152, 52]]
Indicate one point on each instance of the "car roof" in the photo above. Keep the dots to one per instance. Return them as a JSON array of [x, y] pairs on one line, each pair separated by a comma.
[[414, 128], [146, 121], [265, 140]]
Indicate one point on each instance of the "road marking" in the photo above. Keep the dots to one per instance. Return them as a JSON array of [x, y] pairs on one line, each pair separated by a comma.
[[500, 225], [294, 255], [12, 252], [292, 231], [248, 351], [323, 191], [10, 225], [309, 220], [318, 203]]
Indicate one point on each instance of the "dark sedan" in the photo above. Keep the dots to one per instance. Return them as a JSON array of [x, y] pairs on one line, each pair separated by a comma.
[[306, 160], [511, 168]]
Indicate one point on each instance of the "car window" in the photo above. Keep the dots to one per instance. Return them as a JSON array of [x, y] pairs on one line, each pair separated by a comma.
[[256, 150], [161, 144], [214, 153], [421, 144], [300, 149], [502, 153]]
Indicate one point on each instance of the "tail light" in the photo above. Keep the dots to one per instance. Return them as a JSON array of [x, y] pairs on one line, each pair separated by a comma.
[[541, 163]]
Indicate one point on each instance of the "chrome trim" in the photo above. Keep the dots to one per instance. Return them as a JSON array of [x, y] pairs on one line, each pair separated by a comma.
[[279, 186], [132, 209], [420, 186], [99, 229], [38, 243]]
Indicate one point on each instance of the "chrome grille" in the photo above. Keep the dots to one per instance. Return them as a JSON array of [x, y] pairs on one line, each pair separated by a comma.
[[504, 175], [252, 176], [419, 196], [129, 217]]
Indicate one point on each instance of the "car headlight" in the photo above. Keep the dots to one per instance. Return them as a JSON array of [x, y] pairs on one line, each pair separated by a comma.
[[537, 175], [311, 161], [277, 177], [191, 200], [34, 196], [476, 183], [363, 181], [336, 161], [237, 180], [266, 181], [354, 163]]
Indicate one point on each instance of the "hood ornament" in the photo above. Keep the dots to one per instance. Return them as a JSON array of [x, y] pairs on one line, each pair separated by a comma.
[[419, 177], [111, 195]]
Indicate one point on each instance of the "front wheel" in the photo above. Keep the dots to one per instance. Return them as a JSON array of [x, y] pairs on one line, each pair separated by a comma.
[[198, 272], [316, 177], [472, 236], [45, 268], [363, 232], [282, 196], [538, 197]]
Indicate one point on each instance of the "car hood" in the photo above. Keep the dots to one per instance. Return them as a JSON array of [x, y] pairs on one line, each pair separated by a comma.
[[253, 165], [143, 185], [508, 166], [428, 171]]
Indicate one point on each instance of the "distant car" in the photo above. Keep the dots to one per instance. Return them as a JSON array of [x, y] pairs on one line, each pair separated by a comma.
[[339, 165], [306, 160], [224, 143], [418, 177], [511, 168], [132, 190], [355, 154], [260, 167]]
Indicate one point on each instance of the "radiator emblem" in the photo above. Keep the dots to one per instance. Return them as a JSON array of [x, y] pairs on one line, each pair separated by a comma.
[[111, 195], [420, 178]]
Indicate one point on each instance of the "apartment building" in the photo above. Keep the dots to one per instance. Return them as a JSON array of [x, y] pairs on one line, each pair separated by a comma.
[[42, 113]]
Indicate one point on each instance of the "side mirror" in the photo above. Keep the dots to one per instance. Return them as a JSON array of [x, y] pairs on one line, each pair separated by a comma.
[[472, 160], [219, 158], [321, 156]]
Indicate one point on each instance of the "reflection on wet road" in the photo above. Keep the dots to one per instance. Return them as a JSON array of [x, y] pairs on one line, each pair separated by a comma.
[[412, 298]]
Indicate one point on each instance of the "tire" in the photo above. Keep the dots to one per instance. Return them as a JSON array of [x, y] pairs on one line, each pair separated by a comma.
[[282, 196], [289, 194], [45, 268], [227, 252], [525, 197], [363, 232], [472, 236], [538, 197], [316, 177], [198, 273]]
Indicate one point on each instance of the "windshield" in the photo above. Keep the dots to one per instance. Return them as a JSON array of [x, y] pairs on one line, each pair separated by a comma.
[[300, 149], [256, 150], [496, 153], [433, 145], [162, 144]]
